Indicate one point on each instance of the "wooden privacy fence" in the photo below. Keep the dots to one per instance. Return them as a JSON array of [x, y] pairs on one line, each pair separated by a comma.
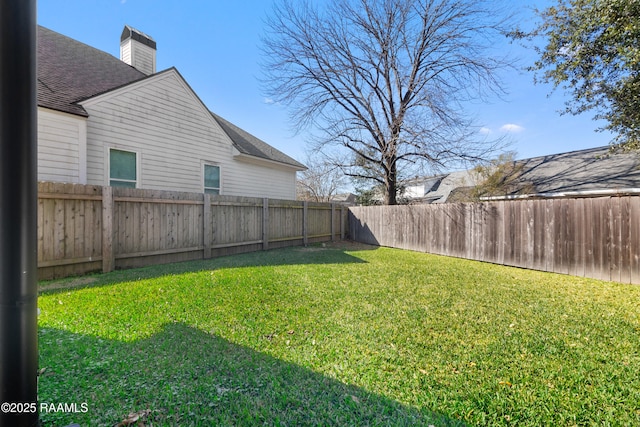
[[590, 237], [83, 228]]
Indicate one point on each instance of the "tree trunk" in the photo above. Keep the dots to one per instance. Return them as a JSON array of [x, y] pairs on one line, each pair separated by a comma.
[[391, 186]]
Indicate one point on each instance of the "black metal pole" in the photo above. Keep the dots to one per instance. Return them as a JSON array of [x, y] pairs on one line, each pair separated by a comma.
[[18, 204]]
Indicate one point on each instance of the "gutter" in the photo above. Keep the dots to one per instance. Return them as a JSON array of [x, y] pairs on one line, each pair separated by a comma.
[[566, 194], [256, 159]]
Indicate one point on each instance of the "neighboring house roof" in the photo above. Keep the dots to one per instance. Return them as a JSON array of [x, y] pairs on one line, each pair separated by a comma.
[[70, 71], [584, 170], [571, 173], [345, 198]]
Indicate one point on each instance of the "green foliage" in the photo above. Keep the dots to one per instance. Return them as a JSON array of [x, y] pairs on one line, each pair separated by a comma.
[[593, 51], [341, 335], [501, 177], [368, 197]]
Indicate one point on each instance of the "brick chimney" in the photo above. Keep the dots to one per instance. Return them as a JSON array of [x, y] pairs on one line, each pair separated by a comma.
[[138, 50]]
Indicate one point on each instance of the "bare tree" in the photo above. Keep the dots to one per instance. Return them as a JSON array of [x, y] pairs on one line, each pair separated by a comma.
[[386, 79], [321, 181]]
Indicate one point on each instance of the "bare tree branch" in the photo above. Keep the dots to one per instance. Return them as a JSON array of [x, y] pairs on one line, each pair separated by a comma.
[[321, 181], [385, 79]]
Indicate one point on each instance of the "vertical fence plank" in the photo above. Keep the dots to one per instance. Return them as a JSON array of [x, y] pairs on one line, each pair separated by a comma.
[[206, 226], [342, 222], [600, 233], [589, 242], [333, 222], [625, 240], [576, 219], [265, 224], [108, 258], [500, 231], [634, 242], [549, 237], [305, 223], [539, 226], [615, 230]]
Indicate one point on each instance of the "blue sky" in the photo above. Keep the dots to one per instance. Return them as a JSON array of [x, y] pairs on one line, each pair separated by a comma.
[[215, 45]]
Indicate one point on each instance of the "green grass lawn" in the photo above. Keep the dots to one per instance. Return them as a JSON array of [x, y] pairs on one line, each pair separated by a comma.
[[342, 335]]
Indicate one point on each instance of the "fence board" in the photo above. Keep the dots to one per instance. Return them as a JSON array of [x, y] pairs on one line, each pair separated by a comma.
[[597, 237], [538, 261], [615, 239], [577, 266], [625, 241], [634, 242]]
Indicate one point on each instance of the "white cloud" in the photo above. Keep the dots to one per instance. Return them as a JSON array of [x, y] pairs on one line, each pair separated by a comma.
[[511, 128], [268, 101], [485, 131]]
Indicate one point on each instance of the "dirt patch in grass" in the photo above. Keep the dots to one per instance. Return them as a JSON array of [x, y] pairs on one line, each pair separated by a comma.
[[343, 245], [74, 282]]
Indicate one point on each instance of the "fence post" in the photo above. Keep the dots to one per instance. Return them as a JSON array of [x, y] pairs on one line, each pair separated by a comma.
[[108, 258], [342, 222], [265, 224], [305, 224], [206, 226], [333, 222]]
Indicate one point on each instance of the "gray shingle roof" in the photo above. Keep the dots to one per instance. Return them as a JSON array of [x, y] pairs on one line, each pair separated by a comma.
[[249, 144], [70, 71], [584, 170]]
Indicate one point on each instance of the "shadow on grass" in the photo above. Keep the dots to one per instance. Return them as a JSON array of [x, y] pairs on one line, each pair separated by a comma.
[[186, 377], [330, 253]]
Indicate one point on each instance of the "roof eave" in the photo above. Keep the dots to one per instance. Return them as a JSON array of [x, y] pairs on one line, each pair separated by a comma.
[[83, 113], [255, 159]]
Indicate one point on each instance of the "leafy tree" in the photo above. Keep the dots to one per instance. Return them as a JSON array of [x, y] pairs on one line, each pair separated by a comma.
[[385, 80], [592, 50]]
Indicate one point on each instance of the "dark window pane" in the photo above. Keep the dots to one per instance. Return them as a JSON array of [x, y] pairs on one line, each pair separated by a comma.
[[122, 165], [211, 177], [126, 184]]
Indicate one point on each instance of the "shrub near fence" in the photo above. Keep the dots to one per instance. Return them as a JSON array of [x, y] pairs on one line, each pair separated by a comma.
[[590, 237], [84, 228]]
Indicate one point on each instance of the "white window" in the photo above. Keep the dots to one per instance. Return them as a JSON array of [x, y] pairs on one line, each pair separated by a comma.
[[211, 179], [123, 168]]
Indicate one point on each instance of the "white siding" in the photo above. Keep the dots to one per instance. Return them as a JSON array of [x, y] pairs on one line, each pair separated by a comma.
[[125, 52], [61, 147], [138, 55], [253, 180], [161, 119]]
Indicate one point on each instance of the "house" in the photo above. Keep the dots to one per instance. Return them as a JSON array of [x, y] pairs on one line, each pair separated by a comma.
[[590, 172], [347, 199], [437, 188], [118, 122]]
